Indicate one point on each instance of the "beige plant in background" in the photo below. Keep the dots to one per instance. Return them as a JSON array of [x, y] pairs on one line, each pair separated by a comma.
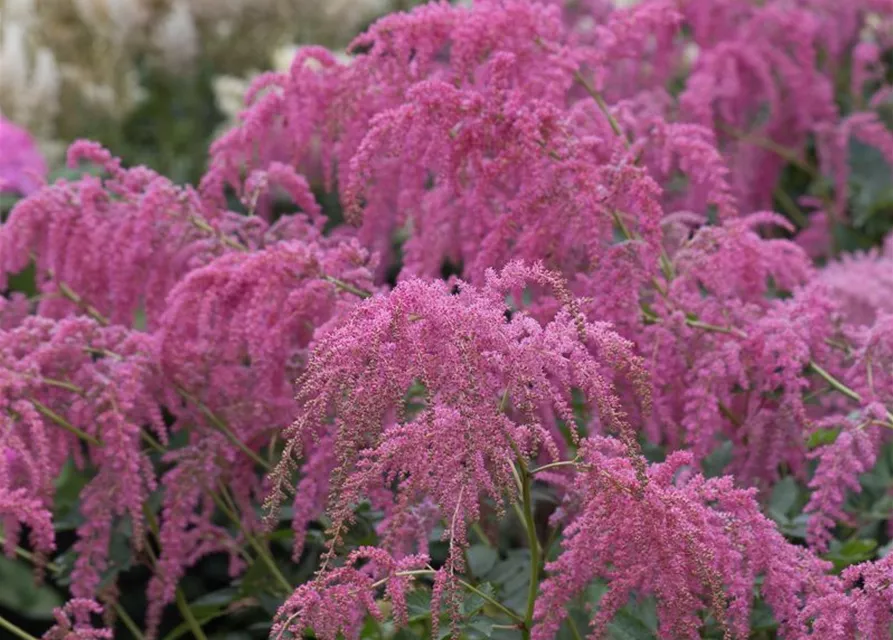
[[66, 64], [29, 74], [333, 23]]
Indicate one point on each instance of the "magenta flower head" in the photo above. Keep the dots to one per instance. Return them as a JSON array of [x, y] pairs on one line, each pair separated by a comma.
[[22, 167]]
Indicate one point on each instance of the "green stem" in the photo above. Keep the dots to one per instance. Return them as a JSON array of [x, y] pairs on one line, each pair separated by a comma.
[[349, 288], [62, 384], [56, 570], [603, 107], [573, 626], [27, 555], [479, 530], [697, 324], [496, 603], [65, 424], [152, 442], [553, 465], [533, 543], [183, 606], [470, 587], [200, 223], [787, 203], [263, 553], [840, 387], [14, 630], [223, 428], [128, 622], [90, 310], [770, 145], [834, 382]]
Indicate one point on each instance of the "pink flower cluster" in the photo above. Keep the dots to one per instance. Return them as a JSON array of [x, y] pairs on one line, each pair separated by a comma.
[[22, 167], [601, 182]]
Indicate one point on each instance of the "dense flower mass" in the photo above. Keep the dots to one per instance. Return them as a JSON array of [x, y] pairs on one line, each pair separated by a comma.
[[525, 315], [22, 168]]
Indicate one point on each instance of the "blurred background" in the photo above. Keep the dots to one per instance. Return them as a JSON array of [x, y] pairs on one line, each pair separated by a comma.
[[154, 80]]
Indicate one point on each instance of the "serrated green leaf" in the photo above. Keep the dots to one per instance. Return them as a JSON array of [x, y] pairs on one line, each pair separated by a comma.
[[418, 602], [479, 627], [783, 499], [626, 626], [481, 559], [19, 593]]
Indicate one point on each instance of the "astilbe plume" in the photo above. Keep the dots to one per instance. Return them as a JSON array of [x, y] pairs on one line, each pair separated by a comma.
[[188, 531], [503, 160], [716, 376], [22, 167], [858, 606], [119, 242], [695, 544], [753, 60], [862, 283], [689, 150], [73, 622], [542, 152], [114, 246], [218, 259], [330, 107], [864, 431], [483, 381], [240, 325], [853, 452], [632, 52], [761, 77], [833, 142], [322, 107], [335, 604], [65, 382], [232, 341]]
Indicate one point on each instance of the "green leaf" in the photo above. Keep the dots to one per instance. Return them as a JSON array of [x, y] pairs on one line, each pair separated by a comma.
[[19, 593], [851, 552], [481, 559], [7, 202], [473, 602], [714, 464], [783, 499], [66, 173], [626, 626], [479, 627], [822, 437], [69, 484], [256, 580], [418, 602], [214, 601], [511, 577]]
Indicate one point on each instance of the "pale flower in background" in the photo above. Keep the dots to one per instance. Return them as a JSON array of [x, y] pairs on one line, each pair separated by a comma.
[[29, 75], [117, 20], [177, 37], [228, 93]]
